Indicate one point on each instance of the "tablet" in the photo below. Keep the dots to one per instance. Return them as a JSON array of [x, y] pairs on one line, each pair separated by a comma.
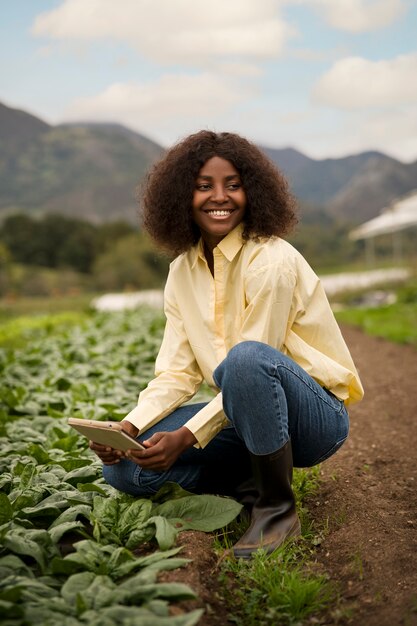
[[106, 433]]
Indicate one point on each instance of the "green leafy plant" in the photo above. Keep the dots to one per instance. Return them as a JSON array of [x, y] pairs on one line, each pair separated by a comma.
[[66, 537], [129, 521]]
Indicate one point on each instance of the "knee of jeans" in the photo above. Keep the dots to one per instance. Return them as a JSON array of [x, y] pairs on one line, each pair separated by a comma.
[[112, 475], [240, 359], [124, 476]]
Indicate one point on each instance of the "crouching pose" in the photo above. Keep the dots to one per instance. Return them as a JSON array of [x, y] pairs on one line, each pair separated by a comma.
[[245, 313]]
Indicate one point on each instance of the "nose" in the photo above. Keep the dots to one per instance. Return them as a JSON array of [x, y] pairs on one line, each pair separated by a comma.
[[219, 194]]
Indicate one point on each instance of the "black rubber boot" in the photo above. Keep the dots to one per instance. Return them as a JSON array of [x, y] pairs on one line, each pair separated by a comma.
[[247, 494], [274, 517]]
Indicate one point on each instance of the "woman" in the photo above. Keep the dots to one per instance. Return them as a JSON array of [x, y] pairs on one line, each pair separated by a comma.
[[247, 314]]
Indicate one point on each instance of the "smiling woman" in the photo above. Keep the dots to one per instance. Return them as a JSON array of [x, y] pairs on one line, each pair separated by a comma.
[[246, 314]]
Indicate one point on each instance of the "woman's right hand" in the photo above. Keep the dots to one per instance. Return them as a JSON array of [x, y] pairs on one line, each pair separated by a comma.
[[109, 456]]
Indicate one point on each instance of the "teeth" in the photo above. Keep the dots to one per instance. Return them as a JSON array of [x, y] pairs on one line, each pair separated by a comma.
[[219, 213]]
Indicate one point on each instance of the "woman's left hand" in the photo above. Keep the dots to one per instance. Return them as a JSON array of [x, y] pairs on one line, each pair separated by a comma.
[[162, 449]]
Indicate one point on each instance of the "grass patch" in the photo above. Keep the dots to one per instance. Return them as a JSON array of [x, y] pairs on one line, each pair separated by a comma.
[[280, 588], [396, 322], [275, 589]]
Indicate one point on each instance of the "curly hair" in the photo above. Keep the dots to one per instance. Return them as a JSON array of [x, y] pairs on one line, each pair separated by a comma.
[[168, 190]]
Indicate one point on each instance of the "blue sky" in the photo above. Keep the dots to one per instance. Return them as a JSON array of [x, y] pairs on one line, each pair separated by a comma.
[[328, 77]]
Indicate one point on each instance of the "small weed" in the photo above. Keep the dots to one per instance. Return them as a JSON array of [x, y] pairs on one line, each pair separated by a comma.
[[357, 564], [226, 537], [306, 482], [410, 616], [340, 518], [275, 588], [280, 588], [378, 596]]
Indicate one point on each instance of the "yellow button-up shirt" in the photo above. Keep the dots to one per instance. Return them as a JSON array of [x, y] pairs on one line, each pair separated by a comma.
[[263, 291]]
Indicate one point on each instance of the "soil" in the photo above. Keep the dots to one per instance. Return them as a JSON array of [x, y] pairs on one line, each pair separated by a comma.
[[365, 509]]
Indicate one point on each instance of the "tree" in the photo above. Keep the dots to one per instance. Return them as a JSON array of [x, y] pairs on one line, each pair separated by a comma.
[[132, 263], [21, 235]]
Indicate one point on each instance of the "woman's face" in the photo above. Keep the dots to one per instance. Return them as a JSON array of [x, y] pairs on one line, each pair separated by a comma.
[[219, 200]]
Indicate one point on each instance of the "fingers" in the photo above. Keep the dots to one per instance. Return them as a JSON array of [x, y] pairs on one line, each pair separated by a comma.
[[156, 462], [159, 455], [98, 447], [154, 439], [107, 455]]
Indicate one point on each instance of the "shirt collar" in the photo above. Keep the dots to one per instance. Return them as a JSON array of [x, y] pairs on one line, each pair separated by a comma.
[[229, 246], [232, 243]]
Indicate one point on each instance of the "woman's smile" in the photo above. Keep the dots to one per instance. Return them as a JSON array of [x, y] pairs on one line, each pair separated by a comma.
[[219, 212]]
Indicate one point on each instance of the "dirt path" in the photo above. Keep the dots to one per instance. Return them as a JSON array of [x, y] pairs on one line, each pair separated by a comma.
[[369, 491], [367, 503]]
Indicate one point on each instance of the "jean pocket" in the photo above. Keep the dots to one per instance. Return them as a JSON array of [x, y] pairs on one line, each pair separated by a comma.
[[334, 401]]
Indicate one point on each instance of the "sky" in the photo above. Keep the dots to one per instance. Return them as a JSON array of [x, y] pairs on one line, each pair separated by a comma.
[[327, 77]]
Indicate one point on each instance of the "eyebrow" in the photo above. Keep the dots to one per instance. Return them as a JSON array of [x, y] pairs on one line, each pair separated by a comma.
[[205, 177]]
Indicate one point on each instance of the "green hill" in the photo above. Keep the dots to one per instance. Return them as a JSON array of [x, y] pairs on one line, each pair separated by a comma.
[[90, 171]]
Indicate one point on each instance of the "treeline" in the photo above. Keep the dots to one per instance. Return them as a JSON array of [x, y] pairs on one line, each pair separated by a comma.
[[58, 254]]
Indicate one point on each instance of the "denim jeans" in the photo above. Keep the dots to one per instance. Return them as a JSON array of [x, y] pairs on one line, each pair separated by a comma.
[[268, 399]]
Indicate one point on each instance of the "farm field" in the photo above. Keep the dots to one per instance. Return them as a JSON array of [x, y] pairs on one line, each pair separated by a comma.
[[68, 539], [65, 534], [72, 549]]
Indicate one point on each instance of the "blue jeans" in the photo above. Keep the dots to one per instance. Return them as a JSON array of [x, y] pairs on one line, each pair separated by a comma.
[[268, 399]]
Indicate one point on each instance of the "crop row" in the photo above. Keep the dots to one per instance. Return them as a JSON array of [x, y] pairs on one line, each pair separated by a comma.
[[68, 541]]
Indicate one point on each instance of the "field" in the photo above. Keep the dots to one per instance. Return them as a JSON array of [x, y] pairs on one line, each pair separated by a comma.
[[72, 549]]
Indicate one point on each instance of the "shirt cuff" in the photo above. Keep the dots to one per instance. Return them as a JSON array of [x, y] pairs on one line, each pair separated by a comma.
[[208, 422], [140, 418]]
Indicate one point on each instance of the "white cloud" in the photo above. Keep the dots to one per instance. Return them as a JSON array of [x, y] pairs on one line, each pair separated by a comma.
[[355, 82], [245, 70], [166, 108], [186, 31], [358, 16], [393, 131]]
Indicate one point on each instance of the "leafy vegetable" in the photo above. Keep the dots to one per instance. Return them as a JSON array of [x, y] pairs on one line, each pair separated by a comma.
[[66, 537]]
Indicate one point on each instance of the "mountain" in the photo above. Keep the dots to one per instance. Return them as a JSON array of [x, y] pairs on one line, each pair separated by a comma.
[[92, 171], [379, 182], [18, 128], [353, 188], [86, 170]]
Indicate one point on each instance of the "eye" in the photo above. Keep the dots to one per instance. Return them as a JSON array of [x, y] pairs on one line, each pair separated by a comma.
[[234, 185], [202, 186]]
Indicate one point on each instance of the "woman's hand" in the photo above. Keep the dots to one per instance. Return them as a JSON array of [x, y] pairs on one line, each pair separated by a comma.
[[162, 449], [108, 455]]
